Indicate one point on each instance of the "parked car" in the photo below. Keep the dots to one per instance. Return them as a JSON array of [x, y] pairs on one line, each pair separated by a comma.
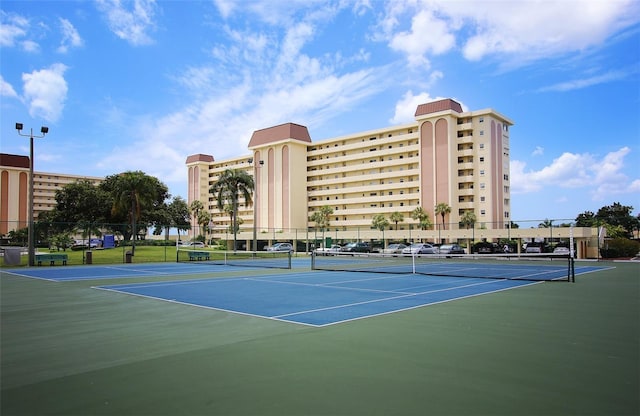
[[280, 247], [484, 247], [562, 250], [194, 244], [329, 251], [534, 248], [420, 248], [394, 249], [451, 249], [356, 248]]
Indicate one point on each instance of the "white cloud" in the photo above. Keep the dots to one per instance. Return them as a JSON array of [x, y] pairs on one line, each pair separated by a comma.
[[45, 92], [601, 178], [6, 90], [70, 36], [428, 34], [130, 23], [12, 28], [406, 106], [539, 151], [519, 31]]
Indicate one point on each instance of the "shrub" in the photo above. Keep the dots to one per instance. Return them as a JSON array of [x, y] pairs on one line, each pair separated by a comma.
[[620, 247]]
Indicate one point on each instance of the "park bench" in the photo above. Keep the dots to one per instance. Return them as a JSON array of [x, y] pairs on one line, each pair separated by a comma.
[[198, 255], [51, 258]]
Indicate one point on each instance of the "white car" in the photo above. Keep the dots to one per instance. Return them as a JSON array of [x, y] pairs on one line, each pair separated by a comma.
[[420, 248], [329, 251], [194, 244], [394, 249]]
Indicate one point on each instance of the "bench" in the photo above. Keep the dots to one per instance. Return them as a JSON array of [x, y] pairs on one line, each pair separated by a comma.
[[51, 258], [198, 255]]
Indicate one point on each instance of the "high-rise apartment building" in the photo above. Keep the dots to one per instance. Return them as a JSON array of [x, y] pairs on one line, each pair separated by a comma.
[[14, 191], [459, 158]]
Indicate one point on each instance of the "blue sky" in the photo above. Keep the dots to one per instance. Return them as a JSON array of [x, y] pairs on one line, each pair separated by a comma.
[[140, 85]]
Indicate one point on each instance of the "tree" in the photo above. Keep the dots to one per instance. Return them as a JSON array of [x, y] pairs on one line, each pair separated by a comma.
[[547, 223], [442, 209], [379, 222], [134, 192], [396, 217], [322, 218], [586, 219], [468, 219], [617, 214], [204, 217], [179, 214], [79, 204], [230, 186], [195, 207], [420, 215]]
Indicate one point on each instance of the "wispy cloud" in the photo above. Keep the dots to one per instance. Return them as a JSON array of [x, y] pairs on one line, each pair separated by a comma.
[[132, 23], [14, 32], [6, 90], [577, 84], [70, 36]]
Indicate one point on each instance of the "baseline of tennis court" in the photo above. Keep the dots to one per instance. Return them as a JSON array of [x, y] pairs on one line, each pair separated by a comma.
[[317, 298]]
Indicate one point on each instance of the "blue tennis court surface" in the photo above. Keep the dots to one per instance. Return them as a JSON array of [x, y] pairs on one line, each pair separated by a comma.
[[116, 271], [317, 298]]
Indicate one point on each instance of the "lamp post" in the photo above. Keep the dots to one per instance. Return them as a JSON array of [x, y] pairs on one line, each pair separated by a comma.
[[44, 130], [258, 164]]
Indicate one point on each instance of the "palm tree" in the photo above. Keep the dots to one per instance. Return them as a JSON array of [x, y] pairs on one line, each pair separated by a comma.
[[443, 209], [133, 190], [468, 219], [321, 218], [420, 215], [379, 222], [231, 185], [195, 207], [396, 217]]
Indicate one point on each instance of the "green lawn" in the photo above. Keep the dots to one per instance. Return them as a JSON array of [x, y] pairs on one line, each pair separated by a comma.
[[545, 349]]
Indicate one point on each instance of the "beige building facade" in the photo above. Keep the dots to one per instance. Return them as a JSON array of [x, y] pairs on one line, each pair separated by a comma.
[[14, 191], [451, 156]]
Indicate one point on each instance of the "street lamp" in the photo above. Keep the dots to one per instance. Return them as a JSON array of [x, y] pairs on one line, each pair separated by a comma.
[[44, 130], [257, 165]]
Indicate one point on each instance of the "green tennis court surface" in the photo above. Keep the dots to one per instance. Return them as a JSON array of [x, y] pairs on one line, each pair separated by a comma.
[[548, 348]]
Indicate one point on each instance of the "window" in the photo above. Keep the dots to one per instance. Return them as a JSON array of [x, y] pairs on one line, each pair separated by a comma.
[[481, 120], [481, 158], [481, 145], [481, 132], [483, 212], [481, 172]]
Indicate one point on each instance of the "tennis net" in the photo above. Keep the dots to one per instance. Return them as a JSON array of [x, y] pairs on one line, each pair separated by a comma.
[[268, 259], [532, 267]]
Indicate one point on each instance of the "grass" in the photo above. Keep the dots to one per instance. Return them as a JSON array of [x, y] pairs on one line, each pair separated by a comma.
[[551, 348], [143, 254]]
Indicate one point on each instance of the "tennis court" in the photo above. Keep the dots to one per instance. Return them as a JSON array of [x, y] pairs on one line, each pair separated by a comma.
[[194, 338], [317, 298]]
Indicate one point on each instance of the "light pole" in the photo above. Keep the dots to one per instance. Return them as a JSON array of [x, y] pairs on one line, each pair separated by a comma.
[[257, 165], [44, 130]]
